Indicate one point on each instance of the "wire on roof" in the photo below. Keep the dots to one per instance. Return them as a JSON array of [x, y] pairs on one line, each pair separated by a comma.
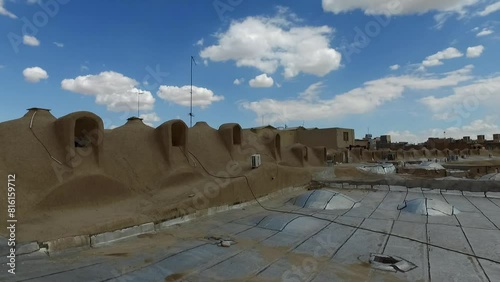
[[341, 223]]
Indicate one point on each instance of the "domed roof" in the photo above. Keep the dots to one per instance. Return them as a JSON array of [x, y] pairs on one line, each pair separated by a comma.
[[427, 206], [491, 177], [325, 200]]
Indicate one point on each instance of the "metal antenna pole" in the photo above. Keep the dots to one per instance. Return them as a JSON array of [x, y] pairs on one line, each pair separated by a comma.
[[191, 111], [139, 92]]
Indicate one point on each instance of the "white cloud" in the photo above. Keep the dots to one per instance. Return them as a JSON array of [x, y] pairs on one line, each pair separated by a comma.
[[405, 136], [465, 99], [2, 66], [312, 92], [394, 67], [486, 126], [60, 45], [357, 101], [484, 32], [200, 42], [384, 7], [4, 11], [490, 9], [475, 51], [34, 74], [238, 81], [116, 91], [268, 43], [202, 97], [446, 54], [84, 68], [30, 40], [441, 19], [261, 81], [150, 118]]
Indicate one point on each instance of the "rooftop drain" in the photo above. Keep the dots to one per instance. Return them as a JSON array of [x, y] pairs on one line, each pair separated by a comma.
[[220, 241], [429, 207], [390, 263], [324, 200]]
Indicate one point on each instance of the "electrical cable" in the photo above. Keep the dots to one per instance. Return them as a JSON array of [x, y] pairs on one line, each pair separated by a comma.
[[40, 141], [45, 147], [341, 223]]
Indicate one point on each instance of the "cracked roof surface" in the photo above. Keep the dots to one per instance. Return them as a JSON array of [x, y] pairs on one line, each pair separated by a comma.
[[298, 244]]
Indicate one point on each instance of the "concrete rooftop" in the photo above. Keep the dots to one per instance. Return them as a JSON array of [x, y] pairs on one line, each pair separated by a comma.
[[299, 244]]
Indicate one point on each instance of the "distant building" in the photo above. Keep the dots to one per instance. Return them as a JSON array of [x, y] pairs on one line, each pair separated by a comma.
[[385, 139], [480, 139], [384, 142], [363, 143], [464, 143], [331, 138], [492, 144], [260, 128], [372, 143], [496, 138], [441, 143]]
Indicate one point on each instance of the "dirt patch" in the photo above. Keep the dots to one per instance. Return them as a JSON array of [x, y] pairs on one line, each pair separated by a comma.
[[174, 277], [352, 172], [85, 191]]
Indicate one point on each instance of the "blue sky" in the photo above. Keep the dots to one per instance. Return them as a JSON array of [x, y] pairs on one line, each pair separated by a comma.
[[413, 68]]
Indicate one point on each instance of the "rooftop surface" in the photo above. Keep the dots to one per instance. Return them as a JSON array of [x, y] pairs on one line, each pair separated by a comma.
[[317, 243]]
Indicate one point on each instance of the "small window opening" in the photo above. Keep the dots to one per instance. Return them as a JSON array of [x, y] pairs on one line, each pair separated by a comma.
[[236, 135], [277, 145], [346, 136], [178, 135], [83, 129]]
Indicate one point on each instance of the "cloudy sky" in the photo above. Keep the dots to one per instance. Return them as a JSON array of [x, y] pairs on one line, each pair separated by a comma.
[[410, 68]]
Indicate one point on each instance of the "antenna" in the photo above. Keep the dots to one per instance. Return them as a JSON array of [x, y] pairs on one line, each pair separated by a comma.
[[191, 111], [138, 93]]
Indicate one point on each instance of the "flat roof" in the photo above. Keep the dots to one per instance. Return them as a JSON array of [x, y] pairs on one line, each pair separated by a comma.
[[310, 244]]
